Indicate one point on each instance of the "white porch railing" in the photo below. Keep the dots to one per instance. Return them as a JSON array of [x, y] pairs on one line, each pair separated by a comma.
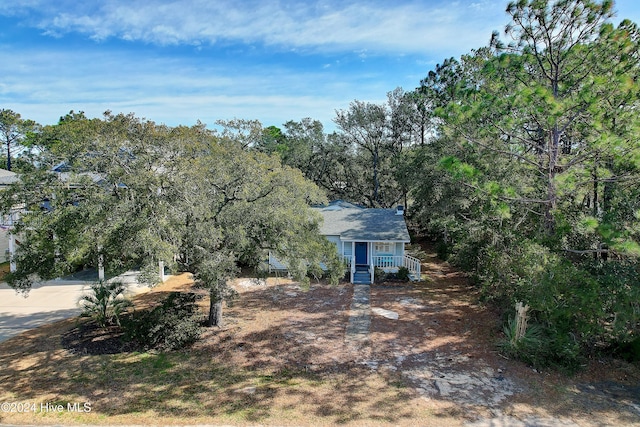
[[413, 265], [351, 265], [347, 259], [386, 262], [394, 261], [12, 218]]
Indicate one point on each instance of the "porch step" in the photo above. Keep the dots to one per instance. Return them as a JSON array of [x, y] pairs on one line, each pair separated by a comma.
[[362, 277]]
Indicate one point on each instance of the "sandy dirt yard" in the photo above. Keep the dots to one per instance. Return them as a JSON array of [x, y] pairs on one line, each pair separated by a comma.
[[285, 357], [432, 337]]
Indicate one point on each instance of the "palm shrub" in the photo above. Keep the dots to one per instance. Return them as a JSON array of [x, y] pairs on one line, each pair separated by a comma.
[[523, 340], [105, 303]]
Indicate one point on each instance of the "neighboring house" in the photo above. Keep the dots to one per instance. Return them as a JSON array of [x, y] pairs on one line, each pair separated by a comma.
[[7, 178], [7, 240], [366, 239]]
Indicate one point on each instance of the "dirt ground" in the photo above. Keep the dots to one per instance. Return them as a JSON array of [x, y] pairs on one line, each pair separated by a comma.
[[431, 358], [442, 346]]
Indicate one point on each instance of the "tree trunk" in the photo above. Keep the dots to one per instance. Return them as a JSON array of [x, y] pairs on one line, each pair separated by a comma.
[[594, 211], [376, 183], [215, 310], [549, 220]]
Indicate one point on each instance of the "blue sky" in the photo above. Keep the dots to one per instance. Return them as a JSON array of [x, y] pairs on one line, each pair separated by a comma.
[[176, 62]]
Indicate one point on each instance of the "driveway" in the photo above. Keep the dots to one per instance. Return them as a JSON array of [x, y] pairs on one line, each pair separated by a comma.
[[50, 301]]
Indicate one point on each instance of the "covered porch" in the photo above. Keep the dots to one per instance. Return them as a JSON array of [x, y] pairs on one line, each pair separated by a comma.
[[363, 257]]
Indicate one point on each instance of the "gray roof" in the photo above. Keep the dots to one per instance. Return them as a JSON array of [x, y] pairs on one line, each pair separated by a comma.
[[360, 224], [7, 177]]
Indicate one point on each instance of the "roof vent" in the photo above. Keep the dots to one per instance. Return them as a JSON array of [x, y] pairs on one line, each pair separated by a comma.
[[400, 210]]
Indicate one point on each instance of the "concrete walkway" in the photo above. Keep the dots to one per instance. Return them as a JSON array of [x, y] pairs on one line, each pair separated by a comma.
[[49, 302], [357, 332]]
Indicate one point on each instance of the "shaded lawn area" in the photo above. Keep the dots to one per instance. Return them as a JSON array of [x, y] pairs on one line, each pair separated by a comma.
[[280, 359], [4, 269]]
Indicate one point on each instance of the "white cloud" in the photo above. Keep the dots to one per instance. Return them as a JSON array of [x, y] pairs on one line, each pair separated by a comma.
[[166, 89], [399, 27], [368, 48], [403, 26]]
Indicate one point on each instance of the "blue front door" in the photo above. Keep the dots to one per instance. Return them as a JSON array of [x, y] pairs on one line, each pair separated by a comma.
[[361, 253]]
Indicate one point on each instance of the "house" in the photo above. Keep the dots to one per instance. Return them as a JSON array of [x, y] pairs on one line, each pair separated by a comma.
[[7, 239], [7, 178], [366, 239]]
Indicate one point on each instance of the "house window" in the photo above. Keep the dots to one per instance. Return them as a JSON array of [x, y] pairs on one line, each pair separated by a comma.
[[382, 248]]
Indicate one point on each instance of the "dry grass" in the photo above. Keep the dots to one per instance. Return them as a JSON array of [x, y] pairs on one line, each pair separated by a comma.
[[266, 366], [281, 359], [4, 270]]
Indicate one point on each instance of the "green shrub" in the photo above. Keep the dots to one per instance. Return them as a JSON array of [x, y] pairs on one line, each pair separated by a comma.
[[443, 250], [403, 274], [175, 324], [579, 306], [566, 302], [415, 250], [619, 294], [629, 351], [106, 303], [529, 348], [336, 270], [541, 346]]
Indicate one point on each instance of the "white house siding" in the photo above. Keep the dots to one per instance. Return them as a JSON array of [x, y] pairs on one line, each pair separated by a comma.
[[348, 249], [4, 245], [336, 241]]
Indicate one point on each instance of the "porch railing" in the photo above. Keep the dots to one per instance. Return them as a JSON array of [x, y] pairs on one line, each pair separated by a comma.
[[394, 261], [413, 265], [12, 218], [347, 260], [386, 261]]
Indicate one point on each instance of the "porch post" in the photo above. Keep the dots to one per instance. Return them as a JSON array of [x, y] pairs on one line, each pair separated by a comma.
[[353, 259], [100, 267], [12, 249], [370, 260]]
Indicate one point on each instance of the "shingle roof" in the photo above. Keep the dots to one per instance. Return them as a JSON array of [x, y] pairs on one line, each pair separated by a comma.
[[354, 223], [8, 177]]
